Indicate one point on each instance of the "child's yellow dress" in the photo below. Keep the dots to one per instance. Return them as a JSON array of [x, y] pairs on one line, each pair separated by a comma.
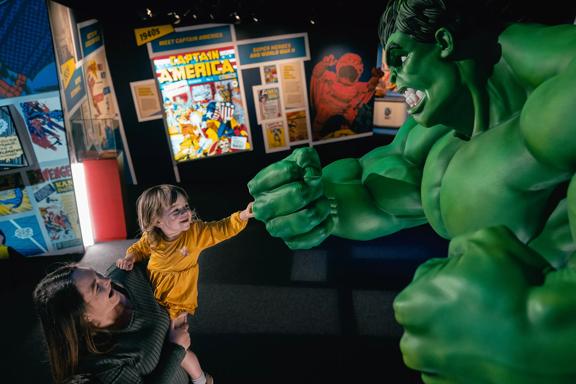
[[173, 266]]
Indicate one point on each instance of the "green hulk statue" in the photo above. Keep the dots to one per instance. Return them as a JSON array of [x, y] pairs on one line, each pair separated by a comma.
[[487, 158]]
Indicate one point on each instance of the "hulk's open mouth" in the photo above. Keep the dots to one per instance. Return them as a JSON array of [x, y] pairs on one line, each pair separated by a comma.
[[413, 97]]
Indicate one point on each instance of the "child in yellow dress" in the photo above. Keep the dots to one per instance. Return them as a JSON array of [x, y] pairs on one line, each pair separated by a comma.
[[172, 238]]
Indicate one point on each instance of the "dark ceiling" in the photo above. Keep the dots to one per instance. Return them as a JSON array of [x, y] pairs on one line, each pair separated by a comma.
[[336, 12], [222, 11]]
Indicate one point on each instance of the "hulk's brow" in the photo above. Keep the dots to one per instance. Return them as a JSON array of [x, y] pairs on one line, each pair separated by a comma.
[[389, 48]]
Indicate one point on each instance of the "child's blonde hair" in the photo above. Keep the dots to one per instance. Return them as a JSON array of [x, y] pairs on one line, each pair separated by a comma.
[[152, 203]]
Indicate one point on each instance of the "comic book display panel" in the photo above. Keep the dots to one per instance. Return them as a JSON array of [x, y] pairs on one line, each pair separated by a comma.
[[202, 102], [68, 54], [38, 211]]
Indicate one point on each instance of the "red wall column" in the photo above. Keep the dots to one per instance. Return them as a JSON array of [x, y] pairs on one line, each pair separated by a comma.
[[105, 199]]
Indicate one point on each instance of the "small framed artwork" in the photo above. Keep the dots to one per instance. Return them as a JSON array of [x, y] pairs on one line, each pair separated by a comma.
[[268, 102], [275, 134]]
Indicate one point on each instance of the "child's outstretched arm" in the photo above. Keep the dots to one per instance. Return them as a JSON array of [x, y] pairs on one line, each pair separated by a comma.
[[206, 234], [247, 213]]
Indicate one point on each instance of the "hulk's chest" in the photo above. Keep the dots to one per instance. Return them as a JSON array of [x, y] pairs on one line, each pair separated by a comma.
[[490, 180]]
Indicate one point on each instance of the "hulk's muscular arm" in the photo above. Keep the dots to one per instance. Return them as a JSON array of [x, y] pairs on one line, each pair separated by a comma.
[[548, 119], [379, 193]]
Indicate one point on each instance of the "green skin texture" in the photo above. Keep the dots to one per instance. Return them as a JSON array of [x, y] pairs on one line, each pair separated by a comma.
[[501, 308]]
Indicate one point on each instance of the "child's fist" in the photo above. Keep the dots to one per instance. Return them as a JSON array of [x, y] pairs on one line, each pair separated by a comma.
[[126, 263], [247, 213]]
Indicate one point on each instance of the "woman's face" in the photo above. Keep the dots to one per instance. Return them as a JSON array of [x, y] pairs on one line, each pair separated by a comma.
[[99, 296]]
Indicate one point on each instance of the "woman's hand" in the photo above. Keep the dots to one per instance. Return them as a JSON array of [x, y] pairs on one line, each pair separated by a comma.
[[247, 213], [126, 263], [179, 331]]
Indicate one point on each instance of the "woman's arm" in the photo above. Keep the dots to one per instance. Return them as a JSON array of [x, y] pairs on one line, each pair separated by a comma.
[[169, 367], [168, 370]]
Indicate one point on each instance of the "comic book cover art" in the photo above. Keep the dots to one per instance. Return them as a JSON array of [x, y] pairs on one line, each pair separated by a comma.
[[276, 135], [57, 223], [203, 104], [60, 219], [297, 126], [45, 124], [268, 104], [270, 74], [24, 235], [53, 193]]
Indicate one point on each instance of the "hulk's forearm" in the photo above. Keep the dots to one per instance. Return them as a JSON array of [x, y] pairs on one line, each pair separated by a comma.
[[359, 213]]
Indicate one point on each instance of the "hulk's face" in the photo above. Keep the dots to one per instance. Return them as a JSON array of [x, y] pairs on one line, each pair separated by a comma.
[[430, 81]]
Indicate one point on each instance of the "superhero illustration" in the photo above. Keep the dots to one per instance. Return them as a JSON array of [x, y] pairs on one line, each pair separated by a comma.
[[202, 103], [57, 223], [46, 126], [98, 88], [203, 121], [26, 54], [14, 200], [338, 96]]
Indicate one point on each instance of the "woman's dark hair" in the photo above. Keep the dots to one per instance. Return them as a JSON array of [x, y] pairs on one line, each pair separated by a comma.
[[61, 310], [3, 237]]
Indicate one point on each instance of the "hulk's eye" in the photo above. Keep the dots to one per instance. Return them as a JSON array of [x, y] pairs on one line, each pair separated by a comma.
[[395, 58]]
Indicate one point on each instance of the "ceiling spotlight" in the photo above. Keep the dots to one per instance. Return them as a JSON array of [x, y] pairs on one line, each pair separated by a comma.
[[235, 16], [312, 21], [175, 18], [145, 14], [194, 15], [255, 19]]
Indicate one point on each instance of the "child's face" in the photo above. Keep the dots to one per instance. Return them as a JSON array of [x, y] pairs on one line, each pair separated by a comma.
[[175, 219]]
